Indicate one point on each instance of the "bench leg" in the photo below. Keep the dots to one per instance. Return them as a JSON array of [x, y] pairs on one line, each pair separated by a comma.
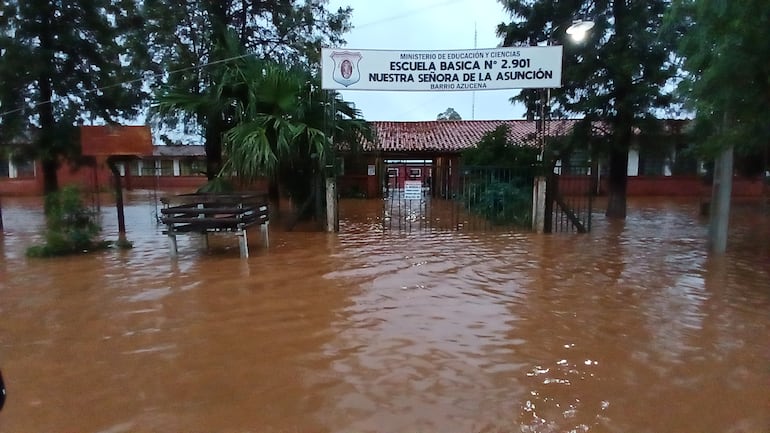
[[243, 243], [172, 244], [265, 236]]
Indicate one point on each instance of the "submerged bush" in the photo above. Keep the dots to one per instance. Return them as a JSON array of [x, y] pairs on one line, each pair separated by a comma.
[[502, 203], [71, 227]]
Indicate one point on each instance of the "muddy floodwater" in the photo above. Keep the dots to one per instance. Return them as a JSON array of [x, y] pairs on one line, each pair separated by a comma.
[[631, 328]]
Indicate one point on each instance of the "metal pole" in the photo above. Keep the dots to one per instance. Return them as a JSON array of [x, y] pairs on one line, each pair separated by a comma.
[[111, 163], [722, 188], [544, 213]]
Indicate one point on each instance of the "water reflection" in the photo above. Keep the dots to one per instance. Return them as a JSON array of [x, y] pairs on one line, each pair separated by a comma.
[[630, 328]]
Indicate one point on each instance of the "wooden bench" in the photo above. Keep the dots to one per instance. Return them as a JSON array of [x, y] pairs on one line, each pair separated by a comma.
[[206, 213]]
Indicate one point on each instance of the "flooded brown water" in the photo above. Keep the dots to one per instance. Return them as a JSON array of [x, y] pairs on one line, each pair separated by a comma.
[[631, 328]]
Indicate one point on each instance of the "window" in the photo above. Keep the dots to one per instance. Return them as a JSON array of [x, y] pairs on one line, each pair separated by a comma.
[[135, 167], [166, 167], [652, 165], [192, 167], [578, 163], [5, 170], [25, 169]]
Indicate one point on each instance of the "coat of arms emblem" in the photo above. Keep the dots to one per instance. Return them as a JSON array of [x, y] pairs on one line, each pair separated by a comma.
[[346, 67]]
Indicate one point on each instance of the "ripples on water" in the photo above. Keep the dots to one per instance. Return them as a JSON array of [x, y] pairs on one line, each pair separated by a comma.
[[632, 328]]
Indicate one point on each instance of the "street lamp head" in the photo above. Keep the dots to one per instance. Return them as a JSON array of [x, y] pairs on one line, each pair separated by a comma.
[[579, 29]]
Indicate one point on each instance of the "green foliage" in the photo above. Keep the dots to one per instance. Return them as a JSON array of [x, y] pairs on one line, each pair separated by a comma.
[[725, 47], [499, 175], [71, 226], [62, 63], [495, 149], [618, 76], [623, 64], [217, 185], [271, 122], [214, 32], [501, 203], [449, 114], [279, 121], [283, 30]]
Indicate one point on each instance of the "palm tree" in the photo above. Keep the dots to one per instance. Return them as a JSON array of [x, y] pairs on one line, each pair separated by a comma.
[[277, 123]]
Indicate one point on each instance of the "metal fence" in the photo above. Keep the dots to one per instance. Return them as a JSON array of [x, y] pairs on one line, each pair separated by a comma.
[[467, 199]]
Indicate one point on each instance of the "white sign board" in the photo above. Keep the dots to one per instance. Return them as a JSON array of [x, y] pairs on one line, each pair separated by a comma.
[[454, 70], [412, 190]]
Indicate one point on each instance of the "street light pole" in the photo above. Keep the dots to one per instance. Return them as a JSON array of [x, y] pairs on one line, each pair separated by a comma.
[[542, 222], [578, 31]]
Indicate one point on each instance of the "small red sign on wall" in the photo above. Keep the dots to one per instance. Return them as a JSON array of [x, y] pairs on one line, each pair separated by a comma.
[[116, 140]]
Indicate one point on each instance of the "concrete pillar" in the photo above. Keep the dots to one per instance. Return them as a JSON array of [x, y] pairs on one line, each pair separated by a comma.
[[538, 204], [332, 225]]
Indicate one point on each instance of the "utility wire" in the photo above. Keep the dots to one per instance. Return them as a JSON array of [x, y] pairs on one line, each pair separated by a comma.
[[136, 80], [409, 13], [215, 62]]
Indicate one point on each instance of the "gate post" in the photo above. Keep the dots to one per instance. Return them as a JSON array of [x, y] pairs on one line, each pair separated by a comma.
[[332, 223], [538, 204]]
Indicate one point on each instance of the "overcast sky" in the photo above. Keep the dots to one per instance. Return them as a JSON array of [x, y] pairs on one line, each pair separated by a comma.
[[427, 25]]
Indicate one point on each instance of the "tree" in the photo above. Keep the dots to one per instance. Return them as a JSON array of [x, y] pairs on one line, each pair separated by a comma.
[[449, 114], [280, 122], [496, 150], [725, 51], [617, 78], [185, 34], [62, 63], [285, 130]]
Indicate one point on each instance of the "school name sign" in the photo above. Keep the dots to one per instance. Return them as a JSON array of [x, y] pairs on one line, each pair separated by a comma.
[[454, 70]]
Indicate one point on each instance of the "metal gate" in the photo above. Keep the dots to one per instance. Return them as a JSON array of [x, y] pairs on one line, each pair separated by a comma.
[[569, 199], [462, 198]]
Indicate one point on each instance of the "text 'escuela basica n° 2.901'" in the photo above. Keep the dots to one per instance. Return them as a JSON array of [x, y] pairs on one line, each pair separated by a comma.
[[460, 70]]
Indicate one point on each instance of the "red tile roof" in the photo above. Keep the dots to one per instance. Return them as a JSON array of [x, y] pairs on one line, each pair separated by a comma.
[[455, 135], [173, 150]]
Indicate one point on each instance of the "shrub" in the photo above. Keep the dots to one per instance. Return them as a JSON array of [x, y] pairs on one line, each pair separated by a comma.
[[502, 203], [70, 226]]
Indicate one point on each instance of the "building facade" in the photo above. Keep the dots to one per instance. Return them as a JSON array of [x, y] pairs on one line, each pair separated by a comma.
[[428, 152]]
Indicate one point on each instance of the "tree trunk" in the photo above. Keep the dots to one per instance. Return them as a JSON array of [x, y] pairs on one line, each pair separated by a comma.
[[213, 145], [111, 163], [617, 181], [273, 190], [215, 125], [50, 160], [50, 176], [623, 122]]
